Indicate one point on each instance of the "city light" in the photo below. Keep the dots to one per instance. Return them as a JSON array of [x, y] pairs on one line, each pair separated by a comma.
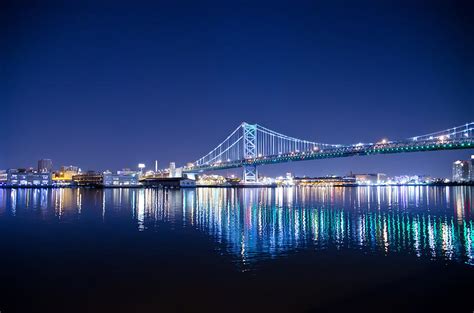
[[305, 156], [233, 153]]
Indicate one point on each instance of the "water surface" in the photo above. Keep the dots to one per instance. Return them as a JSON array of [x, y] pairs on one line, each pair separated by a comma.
[[296, 249]]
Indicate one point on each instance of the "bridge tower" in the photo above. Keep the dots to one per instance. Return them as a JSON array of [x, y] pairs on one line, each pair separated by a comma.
[[250, 152]]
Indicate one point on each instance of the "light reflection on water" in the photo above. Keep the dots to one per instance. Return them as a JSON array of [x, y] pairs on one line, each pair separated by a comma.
[[253, 224]]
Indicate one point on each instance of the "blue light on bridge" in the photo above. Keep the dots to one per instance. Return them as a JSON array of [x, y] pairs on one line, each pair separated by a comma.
[[250, 145]]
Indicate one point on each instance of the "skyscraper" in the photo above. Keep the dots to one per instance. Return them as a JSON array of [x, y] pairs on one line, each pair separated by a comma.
[[45, 165], [471, 168], [461, 171], [172, 169]]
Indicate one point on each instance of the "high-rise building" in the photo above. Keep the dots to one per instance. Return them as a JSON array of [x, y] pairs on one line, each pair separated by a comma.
[[461, 171], [172, 169], [45, 166], [141, 166], [471, 168]]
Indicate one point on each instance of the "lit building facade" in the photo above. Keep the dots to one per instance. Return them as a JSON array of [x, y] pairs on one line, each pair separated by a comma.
[[211, 180], [381, 178], [121, 179], [461, 171], [471, 168], [325, 181], [64, 176], [89, 178], [23, 178], [3, 178], [45, 166], [366, 178], [168, 182]]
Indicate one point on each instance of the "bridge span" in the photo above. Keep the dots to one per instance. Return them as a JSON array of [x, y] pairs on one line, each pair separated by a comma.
[[251, 145]]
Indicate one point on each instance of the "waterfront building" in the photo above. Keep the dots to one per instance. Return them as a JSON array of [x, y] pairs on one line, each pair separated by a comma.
[[65, 174], [168, 182], [471, 168], [233, 180], [381, 178], [410, 180], [285, 181], [325, 181], [460, 171], [45, 166], [26, 178], [3, 177], [126, 177], [141, 166], [366, 179], [90, 178], [211, 180], [172, 169]]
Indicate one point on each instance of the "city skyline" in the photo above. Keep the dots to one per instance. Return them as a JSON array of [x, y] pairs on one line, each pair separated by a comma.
[[462, 172], [108, 88], [237, 156], [284, 168]]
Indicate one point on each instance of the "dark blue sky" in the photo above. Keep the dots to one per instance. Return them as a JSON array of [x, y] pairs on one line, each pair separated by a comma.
[[105, 85]]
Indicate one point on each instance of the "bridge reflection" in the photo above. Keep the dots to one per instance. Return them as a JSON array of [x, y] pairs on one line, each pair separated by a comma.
[[250, 224], [426, 222]]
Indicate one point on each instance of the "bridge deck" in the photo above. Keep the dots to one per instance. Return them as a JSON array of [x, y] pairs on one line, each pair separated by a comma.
[[340, 152]]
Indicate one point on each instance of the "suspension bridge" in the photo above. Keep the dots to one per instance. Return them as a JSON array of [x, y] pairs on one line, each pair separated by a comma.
[[252, 145]]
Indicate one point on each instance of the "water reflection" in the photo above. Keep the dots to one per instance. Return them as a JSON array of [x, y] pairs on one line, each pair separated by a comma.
[[251, 224]]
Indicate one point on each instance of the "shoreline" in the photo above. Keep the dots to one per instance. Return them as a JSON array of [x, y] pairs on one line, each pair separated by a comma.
[[240, 186]]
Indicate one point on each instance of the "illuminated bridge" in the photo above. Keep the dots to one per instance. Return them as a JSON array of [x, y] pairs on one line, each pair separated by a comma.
[[250, 145]]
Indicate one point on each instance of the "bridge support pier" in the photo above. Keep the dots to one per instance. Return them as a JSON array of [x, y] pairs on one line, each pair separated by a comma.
[[250, 174]]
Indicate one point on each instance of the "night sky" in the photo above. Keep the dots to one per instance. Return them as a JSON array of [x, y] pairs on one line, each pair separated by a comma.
[[106, 85]]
